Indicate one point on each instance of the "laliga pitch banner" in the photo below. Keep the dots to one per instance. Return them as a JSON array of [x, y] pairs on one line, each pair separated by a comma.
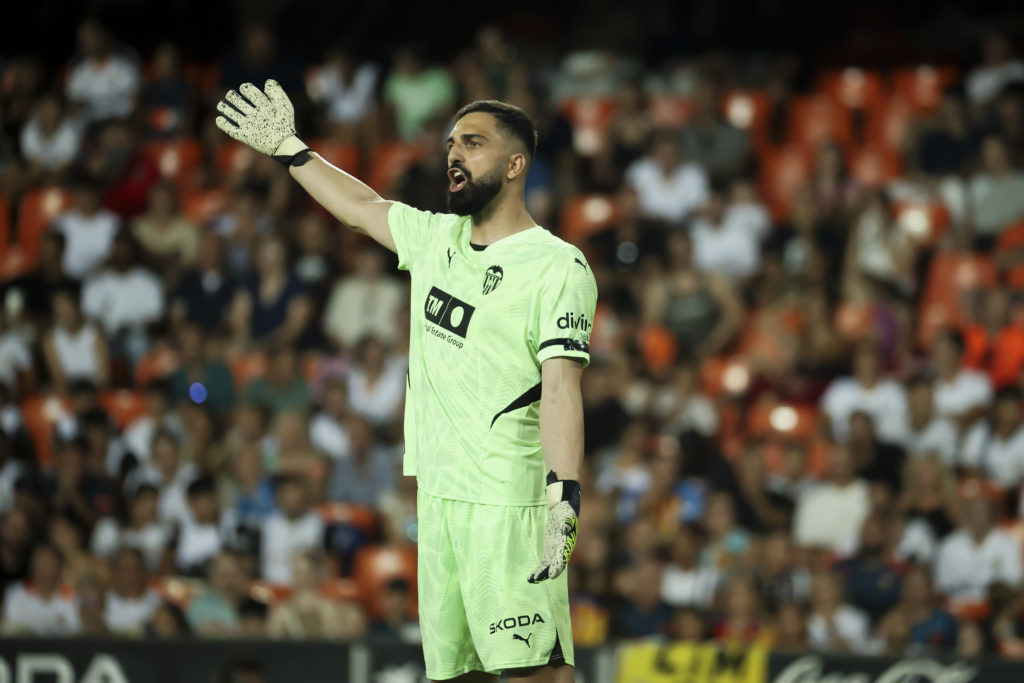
[[673, 662], [813, 668]]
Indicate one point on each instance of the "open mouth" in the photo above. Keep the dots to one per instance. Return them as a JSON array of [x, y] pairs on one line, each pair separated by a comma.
[[457, 179]]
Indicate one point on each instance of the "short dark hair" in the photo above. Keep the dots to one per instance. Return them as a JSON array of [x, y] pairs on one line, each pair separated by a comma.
[[954, 337], [511, 120], [201, 486], [1009, 393]]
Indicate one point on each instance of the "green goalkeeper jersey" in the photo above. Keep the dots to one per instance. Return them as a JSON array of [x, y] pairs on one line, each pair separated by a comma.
[[481, 324]]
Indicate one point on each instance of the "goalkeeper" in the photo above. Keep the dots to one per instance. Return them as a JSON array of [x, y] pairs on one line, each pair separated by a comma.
[[500, 327]]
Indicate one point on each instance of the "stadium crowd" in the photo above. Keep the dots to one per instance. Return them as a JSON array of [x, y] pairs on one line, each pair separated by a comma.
[[804, 420]]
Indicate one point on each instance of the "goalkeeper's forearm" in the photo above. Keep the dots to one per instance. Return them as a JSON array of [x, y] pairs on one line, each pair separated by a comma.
[[350, 200], [561, 417]]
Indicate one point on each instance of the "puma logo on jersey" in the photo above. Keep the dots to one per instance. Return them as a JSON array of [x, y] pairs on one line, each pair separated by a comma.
[[512, 622], [570, 321], [516, 636], [581, 263]]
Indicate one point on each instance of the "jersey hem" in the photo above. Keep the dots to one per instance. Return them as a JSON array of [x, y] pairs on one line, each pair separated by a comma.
[[531, 663], [465, 499]]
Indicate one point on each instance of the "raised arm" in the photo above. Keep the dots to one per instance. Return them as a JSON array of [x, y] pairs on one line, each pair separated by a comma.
[[265, 120]]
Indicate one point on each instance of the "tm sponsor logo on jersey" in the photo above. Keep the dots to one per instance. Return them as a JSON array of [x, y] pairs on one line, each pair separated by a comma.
[[571, 321], [513, 622], [447, 316]]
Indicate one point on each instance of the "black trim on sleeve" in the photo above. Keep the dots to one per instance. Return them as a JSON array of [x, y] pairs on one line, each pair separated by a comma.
[[567, 344], [529, 396]]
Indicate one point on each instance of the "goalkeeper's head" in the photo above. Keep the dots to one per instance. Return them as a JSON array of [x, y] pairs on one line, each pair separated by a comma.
[[490, 149]]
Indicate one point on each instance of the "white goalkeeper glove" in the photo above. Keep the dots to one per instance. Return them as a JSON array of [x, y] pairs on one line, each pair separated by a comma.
[[266, 122], [563, 512]]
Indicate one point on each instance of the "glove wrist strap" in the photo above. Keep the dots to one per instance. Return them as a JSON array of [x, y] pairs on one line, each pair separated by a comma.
[[292, 152], [559, 490]]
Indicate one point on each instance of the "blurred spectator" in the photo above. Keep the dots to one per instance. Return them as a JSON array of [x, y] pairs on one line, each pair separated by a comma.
[[724, 240], [102, 81], [141, 530], [700, 308], [927, 432], [681, 406], [830, 515], [877, 462], [961, 394], [998, 68], [205, 293], [995, 191], [308, 614], [833, 625], [417, 92], [994, 447], [928, 497], [367, 473], [124, 298], [292, 528], [834, 190], [631, 127], [395, 622], [780, 579], [759, 507], [169, 475], [791, 629], [91, 608], [199, 366], [879, 250], [119, 163], [290, 451], [283, 387], [930, 627], [88, 231], [793, 480], [50, 140], [244, 222], [642, 613], [252, 619], [74, 349], [709, 139], [977, 555], [727, 543], [34, 289], [74, 490], [684, 582], [199, 533], [869, 392], [328, 430], [258, 59], [214, 612], [365, 303], [742, 620], [376, 382], [166, 100], [42, 605], [872, 583], [168, 237], [15, 357], [129, 603], [947, 144], [247, 495], [314, 264], [159, 416], [1009, 121], [345, 89], [971, 641], [669, 188], [16, 538], [994, 343], [272, 308], [168, 623]]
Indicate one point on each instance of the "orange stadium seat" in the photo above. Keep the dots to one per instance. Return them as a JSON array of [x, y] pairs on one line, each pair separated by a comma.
[[41, 414], [376, 565], [388, 163], [586, 214], [814, 119], [177, 160], [590, 116], [202, 205], [874, 165], [123, 405], [37, 210], [923, 85], [1012, 240], [157, 363], [784, 170], [952, 275], [853, 87], [658, 348], [248, 366], [344, 156]]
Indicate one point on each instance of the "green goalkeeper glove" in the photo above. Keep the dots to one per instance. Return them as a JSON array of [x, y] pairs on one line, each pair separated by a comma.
[[266, 122], [563, 512]]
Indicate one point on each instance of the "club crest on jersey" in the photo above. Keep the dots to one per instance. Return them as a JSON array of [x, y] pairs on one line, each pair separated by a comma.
[[492, 278]]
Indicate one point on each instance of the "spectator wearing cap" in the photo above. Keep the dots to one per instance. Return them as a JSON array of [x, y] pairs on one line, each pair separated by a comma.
[[205, 292], [928, 433], [140, 530], [868, 391], [214, 612], [835, 626], [961, 394], [978, 554], [199, 536], [994, 447], [307, 613], [669, 188], [130, 603], [293, 527], [368, 473], [830, 515], [88, 231], [42, 605], [74, 348]]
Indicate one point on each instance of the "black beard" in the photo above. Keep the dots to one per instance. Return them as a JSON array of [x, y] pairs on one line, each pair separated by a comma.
[[477, 194]]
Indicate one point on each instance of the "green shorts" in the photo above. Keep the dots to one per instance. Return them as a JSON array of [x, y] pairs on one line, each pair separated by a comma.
[[478, 612]]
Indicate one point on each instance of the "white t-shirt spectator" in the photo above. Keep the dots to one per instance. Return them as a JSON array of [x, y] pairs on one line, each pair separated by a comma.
[[359, 307], [969, 389], [830, 516], [14, 358], [197, 543], [329, 436], [138, 436], [349, 102], [996, 201], [123, 300], [88, 240], [172, 503], [76, 352], [53, 152], [151, 540], [986, 80], [26, 611], [128, 616], [886, 403], [673, 198], [731, 249], [378, 402], [688, 587], [848, 623], [1001, 459], [106, 87], [282, 538], [964, 570], [938, 437]]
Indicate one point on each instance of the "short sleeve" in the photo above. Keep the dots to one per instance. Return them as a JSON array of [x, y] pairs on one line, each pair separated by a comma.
[[565, 312], [412, 230]]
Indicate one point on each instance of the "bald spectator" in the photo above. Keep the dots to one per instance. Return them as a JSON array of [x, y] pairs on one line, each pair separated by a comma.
[[830, 515]]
